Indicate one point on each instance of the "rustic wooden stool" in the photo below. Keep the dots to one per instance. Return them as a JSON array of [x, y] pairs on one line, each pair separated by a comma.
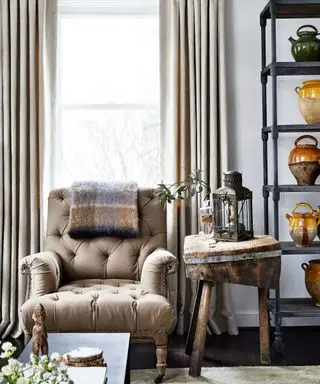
[[256, 262]]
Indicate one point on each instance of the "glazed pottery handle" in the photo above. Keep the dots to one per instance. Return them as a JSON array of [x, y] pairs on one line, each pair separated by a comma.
[[306, 137], [306, 205], [304, 266], [297, 89], [316, 215], [307, 26]]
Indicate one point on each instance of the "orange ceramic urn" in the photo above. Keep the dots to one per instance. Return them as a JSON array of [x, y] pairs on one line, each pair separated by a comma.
[[312, 279], [304, 160]]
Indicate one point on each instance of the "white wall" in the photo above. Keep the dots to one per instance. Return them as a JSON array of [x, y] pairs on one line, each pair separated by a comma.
[[244, 113]]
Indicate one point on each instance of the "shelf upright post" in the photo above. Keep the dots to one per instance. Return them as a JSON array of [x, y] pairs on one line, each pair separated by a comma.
[[265, 135], [264, 80], [275, 190]]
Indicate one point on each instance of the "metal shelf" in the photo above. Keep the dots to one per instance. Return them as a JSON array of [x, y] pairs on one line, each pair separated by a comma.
[[292, 128], [295, 308], [287, 9], [289, 248], [274, 10], [288, 68], [293, 188]]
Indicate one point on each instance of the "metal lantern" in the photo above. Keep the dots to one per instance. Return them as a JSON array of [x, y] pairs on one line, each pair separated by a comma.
[[232, 210]]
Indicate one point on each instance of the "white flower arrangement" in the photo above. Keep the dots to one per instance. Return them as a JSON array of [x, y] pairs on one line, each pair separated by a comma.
[[42, 370]]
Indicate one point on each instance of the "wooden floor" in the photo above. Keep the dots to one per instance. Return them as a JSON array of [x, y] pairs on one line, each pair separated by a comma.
[[302, 347]]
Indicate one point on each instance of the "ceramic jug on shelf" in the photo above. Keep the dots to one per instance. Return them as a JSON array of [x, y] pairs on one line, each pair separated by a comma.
[[303, 225], [309, 101], [307, 46], [312, 279], [304, 159], [318, 214]]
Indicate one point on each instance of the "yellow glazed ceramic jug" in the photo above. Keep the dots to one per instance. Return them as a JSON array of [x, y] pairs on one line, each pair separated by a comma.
[[309, 101], [303, 226], [318, 213]]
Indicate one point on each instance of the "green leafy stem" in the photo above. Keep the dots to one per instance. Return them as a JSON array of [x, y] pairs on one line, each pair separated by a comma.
[[168, 193]]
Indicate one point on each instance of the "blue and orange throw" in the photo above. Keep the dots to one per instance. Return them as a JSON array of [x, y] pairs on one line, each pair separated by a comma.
[[103, 209]]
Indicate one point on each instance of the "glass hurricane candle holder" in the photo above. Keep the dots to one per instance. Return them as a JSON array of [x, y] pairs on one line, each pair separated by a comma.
[[206, 220]]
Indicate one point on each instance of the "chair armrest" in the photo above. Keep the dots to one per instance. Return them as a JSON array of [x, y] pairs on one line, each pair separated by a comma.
[[44, 273], [155, 270]]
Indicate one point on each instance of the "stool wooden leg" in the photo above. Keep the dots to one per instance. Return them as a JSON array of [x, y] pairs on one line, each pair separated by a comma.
[[193, 322], [200, 334], [264, 327]]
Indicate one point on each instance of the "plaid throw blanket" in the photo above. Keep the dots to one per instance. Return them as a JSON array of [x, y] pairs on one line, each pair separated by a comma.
[[103, 208]]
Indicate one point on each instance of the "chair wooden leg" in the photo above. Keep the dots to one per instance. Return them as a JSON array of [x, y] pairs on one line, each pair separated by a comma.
[[161, 342]]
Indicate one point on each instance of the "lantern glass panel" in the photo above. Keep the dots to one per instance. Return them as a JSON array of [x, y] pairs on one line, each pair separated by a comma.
[[224, 217], [244, 219]]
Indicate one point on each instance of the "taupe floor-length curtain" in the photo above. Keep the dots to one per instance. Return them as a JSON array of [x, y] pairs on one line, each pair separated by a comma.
[[194, 129], [27, 46]]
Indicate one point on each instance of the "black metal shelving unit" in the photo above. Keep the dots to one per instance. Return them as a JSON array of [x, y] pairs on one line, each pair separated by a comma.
[[283, 9]]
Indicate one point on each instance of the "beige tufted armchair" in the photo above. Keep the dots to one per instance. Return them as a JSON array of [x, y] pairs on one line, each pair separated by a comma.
[[105, 284]]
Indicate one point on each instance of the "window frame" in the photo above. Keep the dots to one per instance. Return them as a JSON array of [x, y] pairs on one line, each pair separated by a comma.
[[60, 106]]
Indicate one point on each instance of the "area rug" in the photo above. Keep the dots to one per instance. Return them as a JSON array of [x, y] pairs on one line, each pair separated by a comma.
[[235, 375]]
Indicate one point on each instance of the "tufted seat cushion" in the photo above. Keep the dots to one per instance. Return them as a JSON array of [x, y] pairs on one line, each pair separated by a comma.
[[102, 305]]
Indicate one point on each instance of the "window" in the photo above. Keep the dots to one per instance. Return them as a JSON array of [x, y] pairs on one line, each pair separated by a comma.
[[108, 92]]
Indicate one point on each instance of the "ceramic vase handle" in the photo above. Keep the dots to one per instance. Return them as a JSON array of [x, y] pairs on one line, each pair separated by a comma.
[[306, 205], [306, 137], [306, 26], [297, 89], [304, 266], [316, 215]]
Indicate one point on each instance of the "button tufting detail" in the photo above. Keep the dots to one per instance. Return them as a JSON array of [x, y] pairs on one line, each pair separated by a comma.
[[77, 291], [102, 250]]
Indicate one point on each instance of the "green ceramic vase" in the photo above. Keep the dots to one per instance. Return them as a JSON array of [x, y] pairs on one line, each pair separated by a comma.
[[307, 46]]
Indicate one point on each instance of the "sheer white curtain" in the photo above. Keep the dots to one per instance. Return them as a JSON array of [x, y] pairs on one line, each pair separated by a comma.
[[194, 128]]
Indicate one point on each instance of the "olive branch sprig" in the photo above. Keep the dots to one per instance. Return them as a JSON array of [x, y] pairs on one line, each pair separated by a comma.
[[168, 193]]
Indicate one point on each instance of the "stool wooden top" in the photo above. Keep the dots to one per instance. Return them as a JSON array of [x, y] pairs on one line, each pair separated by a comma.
[[198, 251]]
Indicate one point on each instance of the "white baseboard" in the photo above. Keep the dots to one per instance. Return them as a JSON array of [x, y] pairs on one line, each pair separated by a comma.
[[247, 319]]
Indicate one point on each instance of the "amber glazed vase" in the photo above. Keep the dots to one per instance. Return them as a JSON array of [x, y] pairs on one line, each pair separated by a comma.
[[312, 279], [309, 101], [303, 160]]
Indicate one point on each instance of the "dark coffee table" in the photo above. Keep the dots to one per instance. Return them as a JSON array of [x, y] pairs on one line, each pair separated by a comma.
[[115, 348]]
